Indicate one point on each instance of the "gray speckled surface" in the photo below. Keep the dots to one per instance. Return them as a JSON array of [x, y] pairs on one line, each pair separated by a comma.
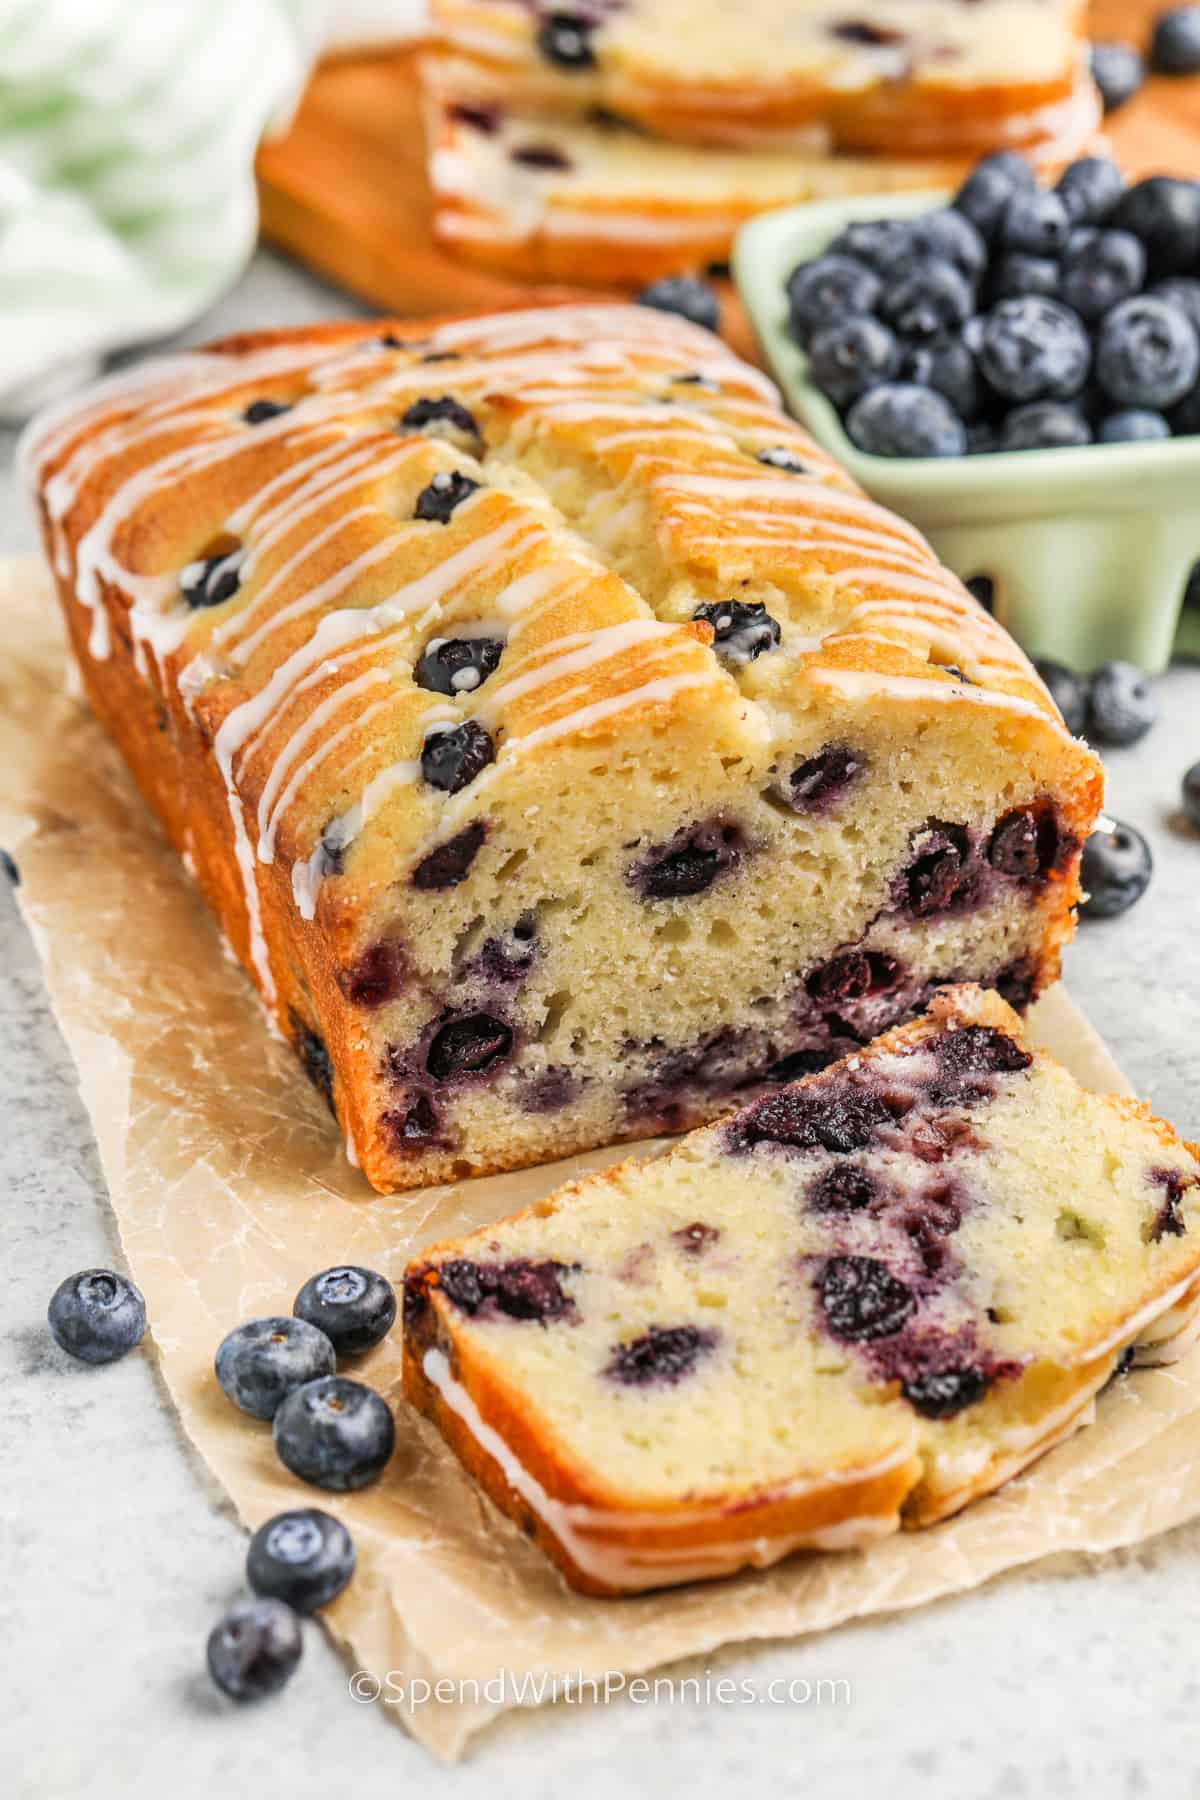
[[1076, 1678]]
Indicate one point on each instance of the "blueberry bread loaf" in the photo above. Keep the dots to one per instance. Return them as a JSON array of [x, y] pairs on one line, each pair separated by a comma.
[[565, 744], [902, 77], [591, 200], [859, 1303]]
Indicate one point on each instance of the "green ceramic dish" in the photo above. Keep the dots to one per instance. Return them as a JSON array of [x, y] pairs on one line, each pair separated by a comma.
[[1089, 550]]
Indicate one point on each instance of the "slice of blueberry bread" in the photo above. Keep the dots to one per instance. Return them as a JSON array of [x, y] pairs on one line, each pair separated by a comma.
[[941, 78], [566, 745], [859, 1303]]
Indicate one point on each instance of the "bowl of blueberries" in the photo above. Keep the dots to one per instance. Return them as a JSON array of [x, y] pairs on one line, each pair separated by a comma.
[[1016, 369]]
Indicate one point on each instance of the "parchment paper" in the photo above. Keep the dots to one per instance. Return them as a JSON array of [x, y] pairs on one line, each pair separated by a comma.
[[230, 1187]]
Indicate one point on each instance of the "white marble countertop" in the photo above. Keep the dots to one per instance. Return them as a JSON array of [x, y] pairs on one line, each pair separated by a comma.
[[1078, 1677]]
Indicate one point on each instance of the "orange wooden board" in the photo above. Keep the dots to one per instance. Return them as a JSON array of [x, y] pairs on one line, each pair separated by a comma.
[[345, 192]]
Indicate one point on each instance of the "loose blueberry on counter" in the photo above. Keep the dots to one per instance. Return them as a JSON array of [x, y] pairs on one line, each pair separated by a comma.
[[448, 489], [259, 411], [1044, 425], [457, 665], [984, 196], [335, 1433], [1034, 349], [929, 303], [1147, 353], [1122, 706], [9, 865], [1090, 188], [468, 1046], [1068, 691], [260, 1363], [1100, 269], [948, 367], [687, 296], [445, 410], [901, 419], [1036, 222], [664, 1353], [848, 358], [1133, 425], [97, 1316], [1016, 275], [830, 287], [1118, 71], [450, 863], [942, 1394], [212, 580], [354, 1307], [742, 630], [1175, 42], [454, 755], [1164, 213], [1115, 871], [253, 1651], [862, 1299], [565, 39], [779, 456], [304, 1558], [1191, 796]]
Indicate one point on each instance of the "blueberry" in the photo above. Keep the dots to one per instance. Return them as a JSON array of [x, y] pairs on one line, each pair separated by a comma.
[[939, 877], [1182, 291], [1025, 843], [450, 862], [935, 299], [1068, 691], [782, 456], [832, 288], [314, 1059], [862, 1300], [445, 410], [842, 1188], [1090, 188], [1118, 71], [1184, 417], [948, 235], [335, 1433], [520, 1289], [1147, 354], [1133, 425], [1123, 706], [1017, 274], [664, 1353], [834, 1116], [1044, 425], [97, 1316], [845, 360], [453, 755], [377, 976], [1100, 269], [901, 419], [820, 781], [879, 243], [253, 1651], [852, 975], [448, 489], [1175, 42], [470, 1045], [972, 1050], [1034, 349], [685, 295], [1165, 214], [212, 579], [259, 1364], [304, 1558], [540, 156], [948, 367], [354, 1307], [695, 1240], [565, 39], [259, 411], [457, 665], [690, 861], [1036, 222], [1115, 871], [1191, 796], [741, 630], [942, 1394], [984, 196]]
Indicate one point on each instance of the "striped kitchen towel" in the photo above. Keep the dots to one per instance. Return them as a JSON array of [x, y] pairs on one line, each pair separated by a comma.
[[127, 139]]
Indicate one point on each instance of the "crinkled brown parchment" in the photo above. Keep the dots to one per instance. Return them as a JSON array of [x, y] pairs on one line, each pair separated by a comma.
[[230, 1187]]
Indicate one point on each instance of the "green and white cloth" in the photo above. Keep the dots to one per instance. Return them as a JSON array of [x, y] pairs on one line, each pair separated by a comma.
[[127, 138]]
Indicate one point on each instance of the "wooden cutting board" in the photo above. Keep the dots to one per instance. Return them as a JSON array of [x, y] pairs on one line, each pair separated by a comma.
[[344, 191]]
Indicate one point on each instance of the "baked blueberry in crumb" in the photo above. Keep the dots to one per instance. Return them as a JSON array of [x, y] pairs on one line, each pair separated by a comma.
[[695, 1239], [842, 1188], [450, 862], [457, 665], [521, 1289], [212, 579], [798, 1064], [484, 119], [968, 1057], [778, 456], [565, 39], [741, 630], [314, 1059], [833, 1115], [1168, 1221], [448, 489], [376, 978], [445, 410], [468, 1046], [940, 876], [862, 1299], [664, 1353], [1025, 843], [818, 783], [416, 1128], [690, 862], [942, 1394], [259, 411], [853, 975], [454, 755], [540, 156]]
